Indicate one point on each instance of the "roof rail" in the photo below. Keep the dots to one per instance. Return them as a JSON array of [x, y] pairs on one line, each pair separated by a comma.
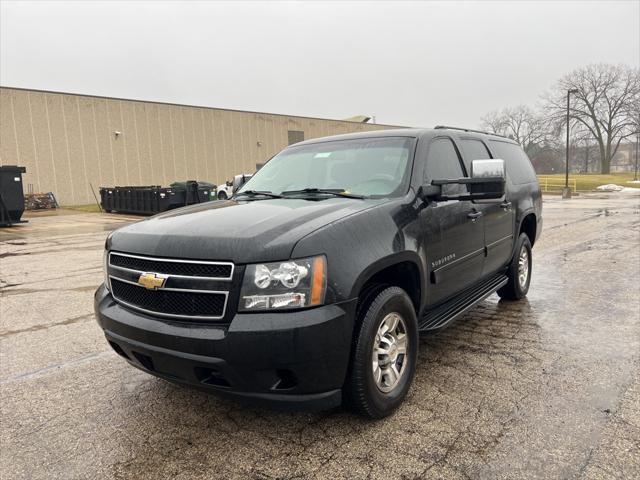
[[445, 127]]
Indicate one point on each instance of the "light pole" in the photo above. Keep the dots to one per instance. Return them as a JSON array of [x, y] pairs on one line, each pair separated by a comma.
[[566, 191], [635, 175]]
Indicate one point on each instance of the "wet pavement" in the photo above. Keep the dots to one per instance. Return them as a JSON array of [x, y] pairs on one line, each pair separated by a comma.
[[548, 387]]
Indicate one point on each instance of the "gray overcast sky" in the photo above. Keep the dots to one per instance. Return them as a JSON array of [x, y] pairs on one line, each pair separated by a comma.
[[414, 63]]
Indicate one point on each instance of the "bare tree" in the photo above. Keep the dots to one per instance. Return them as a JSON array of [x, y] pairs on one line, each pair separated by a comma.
[[606, 98], [520, 123], [583, 148], [493, 122]]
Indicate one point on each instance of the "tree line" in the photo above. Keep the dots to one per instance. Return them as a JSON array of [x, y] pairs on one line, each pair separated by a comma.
[[604, 113]]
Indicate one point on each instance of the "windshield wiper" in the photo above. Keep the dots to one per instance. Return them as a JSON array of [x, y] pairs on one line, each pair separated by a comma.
[[255, 193], [338, 192]]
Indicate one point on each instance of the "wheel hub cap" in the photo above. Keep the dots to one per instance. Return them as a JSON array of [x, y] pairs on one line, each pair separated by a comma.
[[389, 352]]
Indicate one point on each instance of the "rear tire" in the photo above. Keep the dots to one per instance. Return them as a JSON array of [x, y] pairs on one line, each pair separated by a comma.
[[384, 354], [222, 195], [519, 272]]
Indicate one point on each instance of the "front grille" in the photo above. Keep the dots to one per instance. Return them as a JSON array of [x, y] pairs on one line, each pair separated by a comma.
[[218, 270], [182, 303]]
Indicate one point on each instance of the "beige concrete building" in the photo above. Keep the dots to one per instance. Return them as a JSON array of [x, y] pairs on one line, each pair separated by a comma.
[[68, 141]]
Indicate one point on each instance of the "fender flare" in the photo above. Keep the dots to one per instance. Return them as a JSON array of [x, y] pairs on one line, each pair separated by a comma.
[[524, 215], [386, 262]]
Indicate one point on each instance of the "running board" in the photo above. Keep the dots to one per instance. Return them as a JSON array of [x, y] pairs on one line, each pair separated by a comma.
[[449, 311]]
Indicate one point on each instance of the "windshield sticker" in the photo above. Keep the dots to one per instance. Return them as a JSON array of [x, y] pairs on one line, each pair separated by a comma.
[[322, 155]]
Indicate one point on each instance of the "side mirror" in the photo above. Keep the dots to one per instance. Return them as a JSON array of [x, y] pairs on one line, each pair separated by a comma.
[[493, 168], [488, 178], [240, 180]]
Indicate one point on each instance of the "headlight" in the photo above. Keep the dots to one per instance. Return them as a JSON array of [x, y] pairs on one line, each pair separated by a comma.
[[292, 284], [105, 267]]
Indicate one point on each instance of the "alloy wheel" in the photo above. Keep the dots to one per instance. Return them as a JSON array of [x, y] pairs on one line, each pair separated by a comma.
[[523, 267], [390, 352]]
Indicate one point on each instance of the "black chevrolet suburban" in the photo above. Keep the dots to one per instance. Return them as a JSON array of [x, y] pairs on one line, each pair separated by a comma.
[[310, 286]]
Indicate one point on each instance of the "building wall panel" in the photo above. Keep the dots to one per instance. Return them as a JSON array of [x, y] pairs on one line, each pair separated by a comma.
[[104, 138], [17, 138], [75, 153], [8, 137], [44, 153], [89, 141], [154, 143], [148, 174]]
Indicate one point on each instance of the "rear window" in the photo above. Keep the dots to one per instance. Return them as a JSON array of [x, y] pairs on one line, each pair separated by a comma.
[[473, 150], [517, 164]]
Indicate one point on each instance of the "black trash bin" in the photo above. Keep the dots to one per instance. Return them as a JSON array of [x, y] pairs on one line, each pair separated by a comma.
[[11, 195]]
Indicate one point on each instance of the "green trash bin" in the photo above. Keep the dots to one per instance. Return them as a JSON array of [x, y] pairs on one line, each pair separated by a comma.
[[192, 191]]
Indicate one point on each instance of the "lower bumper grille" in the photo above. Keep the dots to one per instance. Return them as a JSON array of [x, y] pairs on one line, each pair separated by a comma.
[[170, 302]]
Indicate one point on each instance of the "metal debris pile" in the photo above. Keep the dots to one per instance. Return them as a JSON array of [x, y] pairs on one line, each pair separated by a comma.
[[40, 201]]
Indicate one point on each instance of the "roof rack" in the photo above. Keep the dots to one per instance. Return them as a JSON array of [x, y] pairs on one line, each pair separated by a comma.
[[445, 127]]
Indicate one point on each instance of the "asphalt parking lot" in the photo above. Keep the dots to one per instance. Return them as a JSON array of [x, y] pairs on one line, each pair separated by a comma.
[[543, 388]]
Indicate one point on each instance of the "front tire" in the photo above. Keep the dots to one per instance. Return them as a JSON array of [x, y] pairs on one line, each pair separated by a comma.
[[519, 272], [222, 195], [384, 354]]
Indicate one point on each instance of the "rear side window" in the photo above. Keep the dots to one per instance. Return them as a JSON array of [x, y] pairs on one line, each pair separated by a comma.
[[473, 150], [443, 163], [517, 164]]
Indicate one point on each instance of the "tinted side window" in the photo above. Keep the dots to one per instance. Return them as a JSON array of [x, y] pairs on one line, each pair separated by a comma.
[[443, 163], [473, 150], [517, 164]]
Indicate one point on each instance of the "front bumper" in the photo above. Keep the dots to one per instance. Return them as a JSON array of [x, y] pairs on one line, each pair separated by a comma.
[[285, 359]]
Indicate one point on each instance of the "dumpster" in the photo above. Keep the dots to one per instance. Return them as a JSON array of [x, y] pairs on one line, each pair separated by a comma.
[[140, 200], [152, 199], [11, 195]]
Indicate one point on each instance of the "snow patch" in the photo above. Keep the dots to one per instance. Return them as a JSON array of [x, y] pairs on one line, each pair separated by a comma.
[[612, 187]]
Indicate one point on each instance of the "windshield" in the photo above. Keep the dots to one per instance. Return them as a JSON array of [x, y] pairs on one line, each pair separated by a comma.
[[368, 167]]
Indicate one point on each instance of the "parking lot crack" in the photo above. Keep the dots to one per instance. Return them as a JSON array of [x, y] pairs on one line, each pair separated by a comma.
[[45, 326]]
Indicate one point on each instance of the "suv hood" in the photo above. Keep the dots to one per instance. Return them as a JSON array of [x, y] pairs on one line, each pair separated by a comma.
[[236, 231]]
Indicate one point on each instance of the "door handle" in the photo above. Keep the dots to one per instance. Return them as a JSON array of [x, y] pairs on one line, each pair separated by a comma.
[[474, 215], [506, 205]]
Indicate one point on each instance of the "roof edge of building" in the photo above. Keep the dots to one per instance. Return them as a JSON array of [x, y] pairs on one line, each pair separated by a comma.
[[55, 92]]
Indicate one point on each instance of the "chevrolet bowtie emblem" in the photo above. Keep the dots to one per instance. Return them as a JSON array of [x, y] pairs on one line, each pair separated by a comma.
[[152, 281]]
